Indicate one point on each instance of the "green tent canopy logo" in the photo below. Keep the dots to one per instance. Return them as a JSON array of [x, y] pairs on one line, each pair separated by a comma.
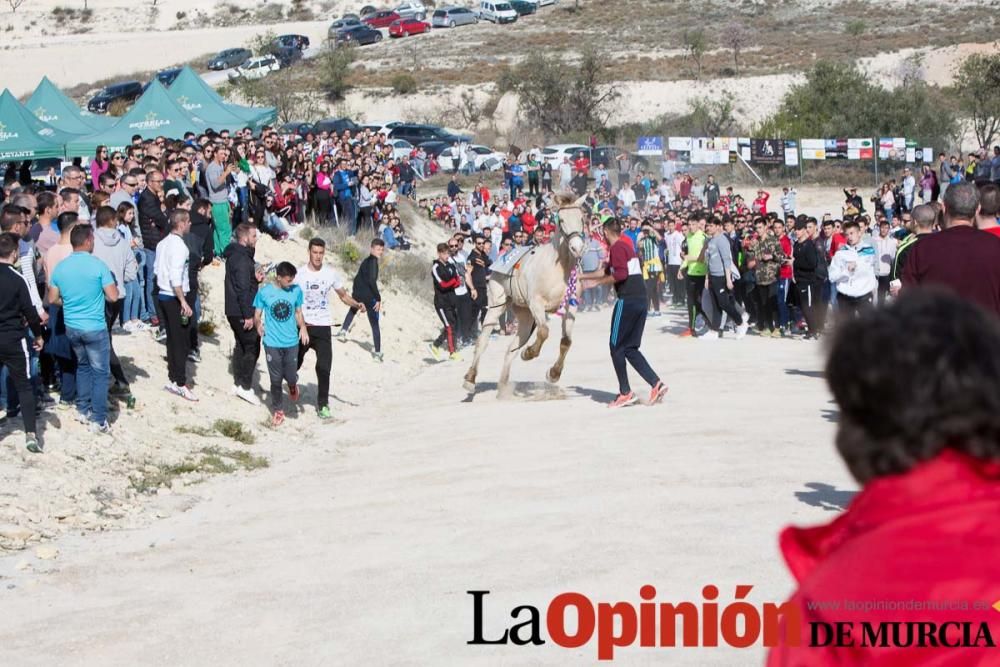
[[5, 135], [185, 102], [42, 114], [151, 122]]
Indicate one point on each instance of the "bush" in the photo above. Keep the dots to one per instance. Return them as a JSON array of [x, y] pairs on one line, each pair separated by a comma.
[[560, 97], [404, 84], [334, 67], [839, 100], [118, 108]]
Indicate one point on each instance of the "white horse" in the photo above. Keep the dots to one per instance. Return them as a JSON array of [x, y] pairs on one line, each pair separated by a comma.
[[535, 286]]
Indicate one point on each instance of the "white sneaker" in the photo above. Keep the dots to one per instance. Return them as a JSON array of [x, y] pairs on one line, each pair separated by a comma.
[[247, 395], [710, 337], [741, 330]]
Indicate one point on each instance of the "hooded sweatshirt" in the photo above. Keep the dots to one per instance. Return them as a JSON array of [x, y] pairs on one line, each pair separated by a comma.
[[862, 281], [929, 534], [111, 248]]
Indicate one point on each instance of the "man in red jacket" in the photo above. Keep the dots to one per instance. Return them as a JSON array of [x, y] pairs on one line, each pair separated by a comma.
[[915, 554]]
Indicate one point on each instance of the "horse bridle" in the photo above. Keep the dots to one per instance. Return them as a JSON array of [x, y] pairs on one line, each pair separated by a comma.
[[569, 236]]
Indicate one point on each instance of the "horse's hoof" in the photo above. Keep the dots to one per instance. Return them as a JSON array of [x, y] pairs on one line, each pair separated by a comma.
[[553, 377], [526, 355], [469, 386]]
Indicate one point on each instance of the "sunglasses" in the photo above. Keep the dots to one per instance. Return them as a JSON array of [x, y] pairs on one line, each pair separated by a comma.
[[452, 247], [131, 185]]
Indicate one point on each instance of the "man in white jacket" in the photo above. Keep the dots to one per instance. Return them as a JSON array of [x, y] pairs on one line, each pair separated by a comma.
[[885, 251], [852, 271]]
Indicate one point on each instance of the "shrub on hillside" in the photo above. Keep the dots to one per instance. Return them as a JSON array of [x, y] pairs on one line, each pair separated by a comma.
[[404, 84]]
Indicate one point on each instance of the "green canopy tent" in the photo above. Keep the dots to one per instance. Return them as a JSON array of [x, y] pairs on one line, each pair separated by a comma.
[[50, 105], [192, 93], [154, 114], [192, 86], [24, 137]]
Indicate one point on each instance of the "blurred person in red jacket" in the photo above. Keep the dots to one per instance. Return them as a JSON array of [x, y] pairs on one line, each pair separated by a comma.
[[915, 551]]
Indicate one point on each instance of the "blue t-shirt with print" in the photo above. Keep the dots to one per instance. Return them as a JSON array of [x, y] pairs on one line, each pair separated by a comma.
[[81, 279], [279, 305]]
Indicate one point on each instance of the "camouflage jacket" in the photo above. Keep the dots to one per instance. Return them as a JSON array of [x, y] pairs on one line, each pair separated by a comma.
[[767, 270]]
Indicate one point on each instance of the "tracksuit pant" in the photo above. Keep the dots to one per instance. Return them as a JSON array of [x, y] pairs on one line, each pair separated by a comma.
[[628, 319], [320, 340], [853, 305], [766, 297], [723, 298], [813, 308], [373, 321], [444, 304], [694, 285], [246, 351], [178, 340], [282, 364], [16, 357]]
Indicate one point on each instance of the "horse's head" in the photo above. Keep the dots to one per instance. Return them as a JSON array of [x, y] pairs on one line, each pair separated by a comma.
[[571, 222]]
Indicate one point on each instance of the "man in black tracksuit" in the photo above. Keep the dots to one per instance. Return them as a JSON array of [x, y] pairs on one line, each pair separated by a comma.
[[477, 268], [446, 279], [241, 283], [15, 310], [365, 291], [808, 282]]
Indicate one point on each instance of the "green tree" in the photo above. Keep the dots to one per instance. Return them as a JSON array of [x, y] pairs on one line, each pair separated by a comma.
[[977, 93], [560, 97], [696, 45], [856, 29], [713, 117], [278, 90], [736, 37], [839, 100], [334, 66]]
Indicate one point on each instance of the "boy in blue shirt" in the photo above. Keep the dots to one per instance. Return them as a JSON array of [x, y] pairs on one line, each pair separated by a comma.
[[285, 329]]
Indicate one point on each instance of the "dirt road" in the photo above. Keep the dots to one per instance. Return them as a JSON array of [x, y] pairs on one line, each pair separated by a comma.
[[360, 549]]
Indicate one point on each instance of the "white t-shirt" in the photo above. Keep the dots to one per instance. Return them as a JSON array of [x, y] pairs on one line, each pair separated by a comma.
[[316, 286], [674, 241]]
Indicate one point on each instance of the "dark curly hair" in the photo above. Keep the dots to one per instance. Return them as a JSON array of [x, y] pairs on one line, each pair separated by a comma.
[[914, 378]]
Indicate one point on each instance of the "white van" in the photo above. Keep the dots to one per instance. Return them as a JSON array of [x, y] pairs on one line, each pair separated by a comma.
[[497, 11]]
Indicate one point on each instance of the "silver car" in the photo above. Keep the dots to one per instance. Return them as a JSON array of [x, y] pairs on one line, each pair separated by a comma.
[[449, 17], [343, 24]]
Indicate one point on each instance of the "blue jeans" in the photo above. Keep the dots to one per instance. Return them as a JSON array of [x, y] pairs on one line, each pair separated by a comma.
[[93, 370], [133, 301], [148, 307], [783, 285], [274, 224]]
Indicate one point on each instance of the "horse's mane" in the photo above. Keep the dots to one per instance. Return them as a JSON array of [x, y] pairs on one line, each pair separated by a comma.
[[565, 199]]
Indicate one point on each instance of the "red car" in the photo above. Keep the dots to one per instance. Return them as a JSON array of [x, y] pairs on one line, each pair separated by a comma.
[[407, 27], [382, 19]]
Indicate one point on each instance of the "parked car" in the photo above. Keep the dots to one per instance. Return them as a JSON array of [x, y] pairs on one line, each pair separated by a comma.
[[417, 134], [337, 125], [523, 7], [343, 23], [434, 148], [358, 34], [287, 55], [259, 67], [301, 129], [382, 18], [127, 91], [449, 17], [497, 11], [412, 9], [229, 59], [168, 76], [400, 148], [300, 42], [407, 27], [543, 3], [484, 154], [555, 153]]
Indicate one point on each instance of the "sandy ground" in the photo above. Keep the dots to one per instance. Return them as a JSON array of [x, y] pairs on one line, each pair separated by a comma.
[[362, 545]]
